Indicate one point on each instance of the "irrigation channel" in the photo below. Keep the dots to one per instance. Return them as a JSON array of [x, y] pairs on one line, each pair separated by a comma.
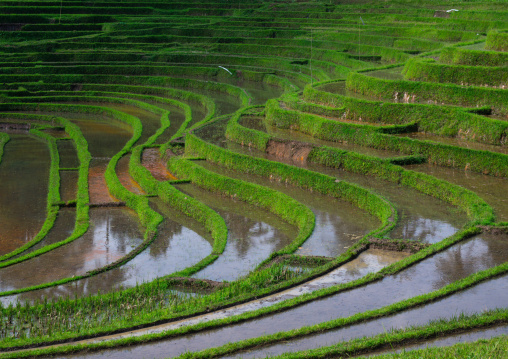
[[217, 179]]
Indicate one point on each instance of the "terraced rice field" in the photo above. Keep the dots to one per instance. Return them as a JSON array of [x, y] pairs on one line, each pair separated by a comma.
[[250, 179]]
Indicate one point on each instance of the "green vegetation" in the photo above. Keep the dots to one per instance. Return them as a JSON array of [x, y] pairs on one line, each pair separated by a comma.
[[377, 87]]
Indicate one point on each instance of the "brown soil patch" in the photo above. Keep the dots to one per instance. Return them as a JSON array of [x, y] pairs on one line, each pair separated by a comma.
[[398, 246], [122, 171], [97, 188], [297, 151], [497, 231], [198, 283], [152, 161]]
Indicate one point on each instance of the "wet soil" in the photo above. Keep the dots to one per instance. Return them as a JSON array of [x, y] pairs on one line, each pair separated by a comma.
[[421, 217], [62, 229], [294, 150], [97, 187], [253, 234], [68, 154], [68, 185], [298, 136], [24, 175], [122, 171], [153, 162], [457, 262]]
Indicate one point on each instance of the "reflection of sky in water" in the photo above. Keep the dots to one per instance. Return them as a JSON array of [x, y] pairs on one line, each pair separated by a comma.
[[484, 296], [423, 229], [244, 249], [113, 233], [333, 234], [418, 279]]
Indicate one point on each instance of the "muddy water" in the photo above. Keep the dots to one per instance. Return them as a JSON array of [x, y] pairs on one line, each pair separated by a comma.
[[484, 296], [62, 229], [24, 175], [97, 187], [421, 217], [492, 189], [451, 340], [122, 171], [113, 233], [68, 185], [456, 142], [431, 220], [253, 234], [459, 261], [394, 73], [180, 243], [68, 154], [260, 91], [339, 224], [105, 139], [152, 161], [150, 121]]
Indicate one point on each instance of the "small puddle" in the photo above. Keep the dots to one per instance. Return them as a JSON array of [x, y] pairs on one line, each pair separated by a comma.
[[465, 258], [339, 224], [453, 141], [253, 234], [492, 189], [113, 233], [24, 176]]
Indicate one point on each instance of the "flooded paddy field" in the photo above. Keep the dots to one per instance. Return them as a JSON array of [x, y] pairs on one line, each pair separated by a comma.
[[100, 248], [431, 274], [24, 176], [253, 235]]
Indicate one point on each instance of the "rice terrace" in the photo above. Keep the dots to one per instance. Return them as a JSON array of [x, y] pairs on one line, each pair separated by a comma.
[[222, 178]]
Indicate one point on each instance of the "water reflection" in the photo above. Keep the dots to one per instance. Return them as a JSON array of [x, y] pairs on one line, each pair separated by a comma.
[[253, 235], [339, 224], [113, 233], [176, 247], [421, 278]]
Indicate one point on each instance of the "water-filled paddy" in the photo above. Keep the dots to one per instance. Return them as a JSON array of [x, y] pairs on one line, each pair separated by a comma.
[[24, 176], [421, 217], [113, 233], [339, 224], [180, 243], [459, 261], [253, 234]]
